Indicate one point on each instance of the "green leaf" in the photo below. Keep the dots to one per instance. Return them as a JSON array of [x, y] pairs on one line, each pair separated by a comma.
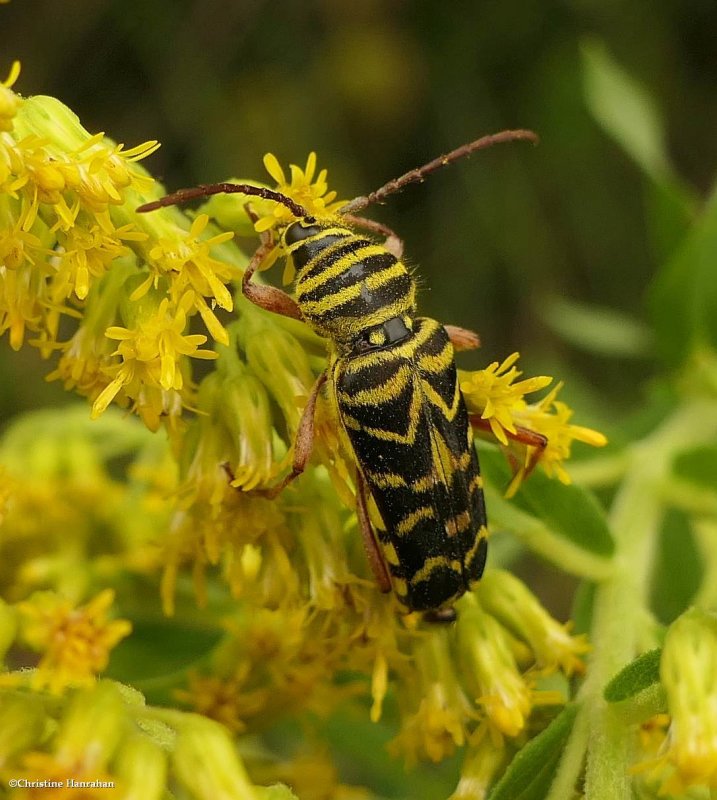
[[698, 465], [598, 330], [670, 209], [531, 771], [158, 653], [683, 296], [624, 109], [628, 113], [678, 570], [570, 512], [637, 676]]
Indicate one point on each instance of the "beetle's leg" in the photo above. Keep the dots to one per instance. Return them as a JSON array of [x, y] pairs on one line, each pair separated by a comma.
[[375, 560], [267, 297], [303, 443], [522, 436], [393, 243], [462, 338]]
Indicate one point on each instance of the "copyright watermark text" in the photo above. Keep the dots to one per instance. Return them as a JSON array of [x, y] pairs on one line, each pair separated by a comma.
[[67, 783]]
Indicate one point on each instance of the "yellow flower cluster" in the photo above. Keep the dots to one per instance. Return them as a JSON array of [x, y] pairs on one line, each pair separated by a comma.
[[72, 245], [74, 642], [104, 741], [681, 746], [304, 629], [499, 399]]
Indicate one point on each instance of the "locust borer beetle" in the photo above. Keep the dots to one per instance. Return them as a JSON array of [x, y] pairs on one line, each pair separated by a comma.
[[392, 377]]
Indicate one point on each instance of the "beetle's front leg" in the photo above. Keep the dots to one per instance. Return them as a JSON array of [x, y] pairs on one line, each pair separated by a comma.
[[267, 297]]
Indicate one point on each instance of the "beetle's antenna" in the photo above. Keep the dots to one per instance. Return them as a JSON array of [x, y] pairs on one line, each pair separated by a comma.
[[420, 173], [185, 195]]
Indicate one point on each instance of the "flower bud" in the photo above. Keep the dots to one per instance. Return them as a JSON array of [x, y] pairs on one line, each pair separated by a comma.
[[141, 766], [688, 669], [207, 765]]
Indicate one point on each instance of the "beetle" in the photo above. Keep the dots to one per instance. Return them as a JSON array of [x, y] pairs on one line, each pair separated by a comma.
[[393, 382]]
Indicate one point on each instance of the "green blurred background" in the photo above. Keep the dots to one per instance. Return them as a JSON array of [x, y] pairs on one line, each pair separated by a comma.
[[377, 87]]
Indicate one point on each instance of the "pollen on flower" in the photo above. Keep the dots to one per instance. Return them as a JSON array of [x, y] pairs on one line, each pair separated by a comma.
[[75, 642]]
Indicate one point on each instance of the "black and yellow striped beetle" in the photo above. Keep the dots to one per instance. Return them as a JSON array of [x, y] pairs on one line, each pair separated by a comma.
[[393, 380]]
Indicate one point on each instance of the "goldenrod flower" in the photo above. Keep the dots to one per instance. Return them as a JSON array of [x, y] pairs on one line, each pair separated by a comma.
[[551, 418], [88, 249], [500, 400], [224, 699], [152, 352], [434, 730], [440, 722], [482, 760], [74, 642], [490, 670], [313, 774], [688, 670], [206, 763], [493, 393], [312, 194], [9, 101], [509, 600], [184, 258]]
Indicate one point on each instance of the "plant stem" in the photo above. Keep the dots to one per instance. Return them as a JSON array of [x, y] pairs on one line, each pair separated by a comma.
[[620, 601]]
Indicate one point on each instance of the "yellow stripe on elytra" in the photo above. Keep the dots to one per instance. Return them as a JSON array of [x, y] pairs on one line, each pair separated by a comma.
[[408, 523], [435, 364], [409, 437], [430, 565], [386, 480], [390, 554], [382, 393], [448, 412], [481, 534], [476, 482]]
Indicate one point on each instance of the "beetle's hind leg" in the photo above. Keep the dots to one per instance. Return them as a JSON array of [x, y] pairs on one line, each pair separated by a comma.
[[375, 559]]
